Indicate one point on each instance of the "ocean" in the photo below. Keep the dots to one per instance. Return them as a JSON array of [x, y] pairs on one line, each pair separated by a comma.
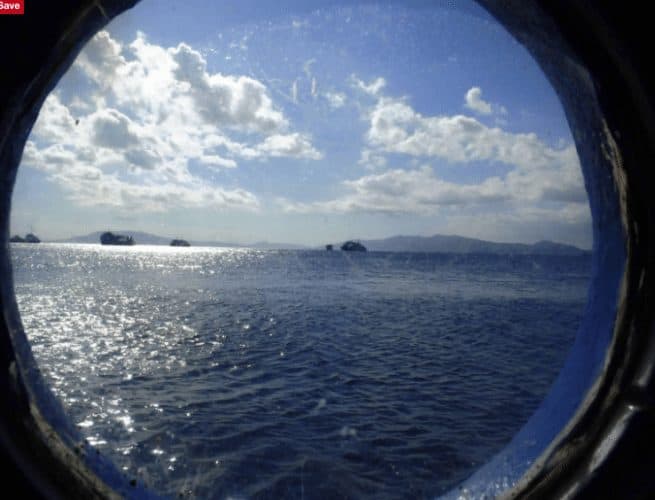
[[238, 373]]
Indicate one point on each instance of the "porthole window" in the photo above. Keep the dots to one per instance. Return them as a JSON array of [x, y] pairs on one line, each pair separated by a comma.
[[430, 268]]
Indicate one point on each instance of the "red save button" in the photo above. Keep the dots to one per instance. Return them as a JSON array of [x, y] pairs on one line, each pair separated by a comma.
[[12, 7]]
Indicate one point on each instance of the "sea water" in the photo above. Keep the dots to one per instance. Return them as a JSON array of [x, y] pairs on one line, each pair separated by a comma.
[[223, 372]]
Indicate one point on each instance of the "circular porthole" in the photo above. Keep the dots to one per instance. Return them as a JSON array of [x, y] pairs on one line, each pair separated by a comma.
[[617, 397]]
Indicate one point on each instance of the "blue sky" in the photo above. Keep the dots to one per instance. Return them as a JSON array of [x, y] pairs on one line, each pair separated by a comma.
[[303, 122]]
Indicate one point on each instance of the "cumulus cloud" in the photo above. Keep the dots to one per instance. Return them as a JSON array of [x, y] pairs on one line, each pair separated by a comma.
[[474, 101], [101, 58], [538, 170], [239, 102], [55, 122], [289, 145], [274, 146], [112, 129], [540, 179], [90, 185], [405, 191], [371, 160], [152, 113]]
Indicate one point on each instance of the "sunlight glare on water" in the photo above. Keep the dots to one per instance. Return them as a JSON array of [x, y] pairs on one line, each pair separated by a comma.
[[192, 368]]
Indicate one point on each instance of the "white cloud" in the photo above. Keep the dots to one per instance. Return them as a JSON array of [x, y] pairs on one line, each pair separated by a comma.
[[307, 67], [112, 129], [89, 185], [541, 179], [538, 170], [294, 91], [474, 101], [154, 111], [373, 88], [217, 161], [274, 146], [101, 58], [405, 191], [335, 99], [239, 102], [295, 144], [79, 106], [55, 121], [142, 158], [369, 159]]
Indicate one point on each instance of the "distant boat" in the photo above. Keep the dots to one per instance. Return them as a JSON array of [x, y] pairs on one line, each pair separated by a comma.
[[180, 243], [329, 248], [29, 238], [109, 238], [353, 246]]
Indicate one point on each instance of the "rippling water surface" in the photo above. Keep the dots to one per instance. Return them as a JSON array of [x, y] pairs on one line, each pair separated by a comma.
[[287, 374]]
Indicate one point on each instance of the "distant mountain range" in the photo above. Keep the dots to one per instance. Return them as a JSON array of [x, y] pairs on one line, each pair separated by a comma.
[[460, 244], [430, 244]]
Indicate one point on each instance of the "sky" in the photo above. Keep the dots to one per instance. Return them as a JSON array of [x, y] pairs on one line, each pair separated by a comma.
[[303, 122]]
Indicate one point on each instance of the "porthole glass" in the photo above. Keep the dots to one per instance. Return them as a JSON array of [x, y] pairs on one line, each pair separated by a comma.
[[272, 357]]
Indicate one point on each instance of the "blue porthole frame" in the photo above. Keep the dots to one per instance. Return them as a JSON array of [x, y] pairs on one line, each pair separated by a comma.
[[594, 434]]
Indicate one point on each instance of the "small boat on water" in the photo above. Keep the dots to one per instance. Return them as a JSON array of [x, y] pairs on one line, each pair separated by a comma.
[[180, 243], [110, 238], [353, 246], [329, 248]]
